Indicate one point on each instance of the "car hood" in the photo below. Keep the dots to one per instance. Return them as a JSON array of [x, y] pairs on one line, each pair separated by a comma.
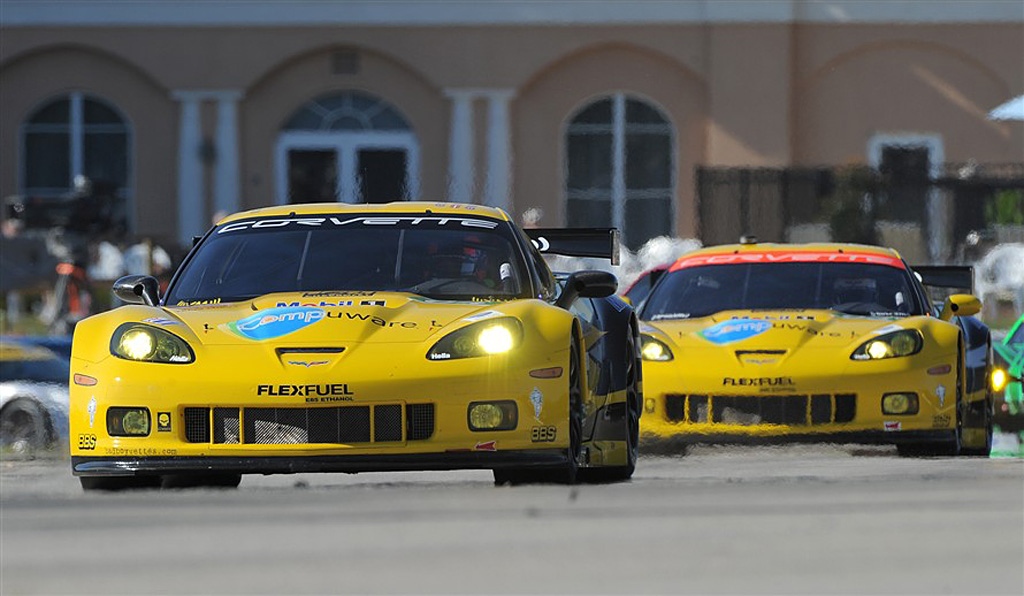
[[305, 318], [774, 334]]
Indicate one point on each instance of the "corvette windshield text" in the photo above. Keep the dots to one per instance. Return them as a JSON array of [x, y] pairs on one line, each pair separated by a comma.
[[317, 222]]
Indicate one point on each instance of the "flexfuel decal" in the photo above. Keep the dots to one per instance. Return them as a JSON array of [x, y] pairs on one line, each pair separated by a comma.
[[275, 322], [728, 332]]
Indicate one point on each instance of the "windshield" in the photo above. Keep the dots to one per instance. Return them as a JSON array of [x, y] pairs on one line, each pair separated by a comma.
[[853, 288], [1017, 339], [455, 258]]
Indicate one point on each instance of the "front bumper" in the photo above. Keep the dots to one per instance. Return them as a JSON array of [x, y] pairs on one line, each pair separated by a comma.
[[469, 460]]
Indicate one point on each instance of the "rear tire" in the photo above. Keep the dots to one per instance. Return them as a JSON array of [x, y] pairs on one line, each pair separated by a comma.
[[632, 422]]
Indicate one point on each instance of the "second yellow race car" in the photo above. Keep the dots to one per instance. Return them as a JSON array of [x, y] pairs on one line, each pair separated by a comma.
[[823, 342], [351, 338]]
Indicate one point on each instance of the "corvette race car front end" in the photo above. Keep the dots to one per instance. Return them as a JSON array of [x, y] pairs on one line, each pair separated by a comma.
[[782, 386], [285, 384]]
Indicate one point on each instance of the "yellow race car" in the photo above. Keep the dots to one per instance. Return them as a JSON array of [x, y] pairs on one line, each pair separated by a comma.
[[823, 342], [352, 338]]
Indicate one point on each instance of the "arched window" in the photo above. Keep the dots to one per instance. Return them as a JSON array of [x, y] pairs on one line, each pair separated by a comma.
[[351, 111], [75, 135], [350, 147], [619, 169]]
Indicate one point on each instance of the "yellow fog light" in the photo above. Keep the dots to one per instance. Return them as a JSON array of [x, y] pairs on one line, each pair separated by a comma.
[[128, 422], [495, 339], [498, 415], [998, 379], [137, 343], [899, 403]]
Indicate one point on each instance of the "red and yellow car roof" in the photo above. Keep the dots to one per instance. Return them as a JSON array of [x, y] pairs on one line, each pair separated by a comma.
[[733, 254]]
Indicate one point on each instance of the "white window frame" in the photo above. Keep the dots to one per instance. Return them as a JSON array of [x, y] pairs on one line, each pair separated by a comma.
[[936, 210], [346, 146], [76, 146], [618, 185]]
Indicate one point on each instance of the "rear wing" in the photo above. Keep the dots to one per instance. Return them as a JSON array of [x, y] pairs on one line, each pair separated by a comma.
[[960, 277], [602, 243]]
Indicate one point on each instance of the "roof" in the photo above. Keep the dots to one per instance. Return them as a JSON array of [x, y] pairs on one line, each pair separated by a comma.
[[816, 252], [396, 207]]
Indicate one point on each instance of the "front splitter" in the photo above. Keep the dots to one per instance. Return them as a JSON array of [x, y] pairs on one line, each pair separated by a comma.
[[351, 464]]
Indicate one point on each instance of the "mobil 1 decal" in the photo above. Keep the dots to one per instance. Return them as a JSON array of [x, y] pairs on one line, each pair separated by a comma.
[[735, 330]]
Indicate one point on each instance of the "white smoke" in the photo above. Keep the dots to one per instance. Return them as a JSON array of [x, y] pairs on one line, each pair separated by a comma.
[[1000, 275], [662, 250]]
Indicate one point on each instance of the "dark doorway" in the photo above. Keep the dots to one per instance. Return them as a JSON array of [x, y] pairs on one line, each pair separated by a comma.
[[382, 175], [312, 176], [905, 172]]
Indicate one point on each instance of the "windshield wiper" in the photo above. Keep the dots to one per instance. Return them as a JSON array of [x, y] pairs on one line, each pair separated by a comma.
[[869, 309]]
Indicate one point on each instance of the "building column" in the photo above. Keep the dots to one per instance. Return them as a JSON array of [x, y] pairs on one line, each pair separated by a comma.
[[499, 150], [191, 211], [225, 187], [460, 147]]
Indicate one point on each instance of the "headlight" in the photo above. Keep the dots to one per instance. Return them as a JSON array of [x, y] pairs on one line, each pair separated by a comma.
[[493, 336], [654, 349], [891, 345], [998, 379], [135, 341]]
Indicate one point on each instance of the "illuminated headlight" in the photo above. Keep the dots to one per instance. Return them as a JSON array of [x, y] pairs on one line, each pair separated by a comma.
[[128, 422], [135, 341], [998, 379], [899, 403], [495, 415], [485, 338], [891, 345], [653, 349]]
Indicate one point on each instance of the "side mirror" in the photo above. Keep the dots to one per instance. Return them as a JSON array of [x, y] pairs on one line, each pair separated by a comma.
[[138, 289], [587, 284], [960, 305]]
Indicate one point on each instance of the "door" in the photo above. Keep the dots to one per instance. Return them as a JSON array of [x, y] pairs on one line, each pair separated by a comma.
[[382, 175], [312, 176], [370, 167]]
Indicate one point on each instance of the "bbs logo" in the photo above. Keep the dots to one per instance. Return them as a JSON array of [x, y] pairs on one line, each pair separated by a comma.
[[543, 434], [86, 442]]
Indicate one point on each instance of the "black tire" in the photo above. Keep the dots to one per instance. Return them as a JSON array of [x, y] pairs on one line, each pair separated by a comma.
[[566, 474], [24, 427], [118, 483], [632, 420], [227, 481], [986, 449]]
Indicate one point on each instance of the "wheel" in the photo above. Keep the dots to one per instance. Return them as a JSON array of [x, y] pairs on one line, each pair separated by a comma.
[[632, 421], [986, 449], [565, 474], [118, 483], [24, 427], [201, 481]]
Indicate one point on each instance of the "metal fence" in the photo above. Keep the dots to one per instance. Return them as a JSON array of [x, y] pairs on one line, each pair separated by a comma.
[[935, 217]]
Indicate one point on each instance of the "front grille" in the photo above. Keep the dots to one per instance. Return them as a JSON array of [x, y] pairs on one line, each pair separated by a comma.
[[745, 410], [419, 421], [197, 425], [387, 423], [341, 425]]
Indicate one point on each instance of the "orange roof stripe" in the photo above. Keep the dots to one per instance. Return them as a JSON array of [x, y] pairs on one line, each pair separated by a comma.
[[781, 253]]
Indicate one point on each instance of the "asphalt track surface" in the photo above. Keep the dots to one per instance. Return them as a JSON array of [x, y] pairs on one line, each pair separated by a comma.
[[794, 519]]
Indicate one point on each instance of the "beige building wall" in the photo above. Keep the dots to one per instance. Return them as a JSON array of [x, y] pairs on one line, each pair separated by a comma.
[[737, 94]]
